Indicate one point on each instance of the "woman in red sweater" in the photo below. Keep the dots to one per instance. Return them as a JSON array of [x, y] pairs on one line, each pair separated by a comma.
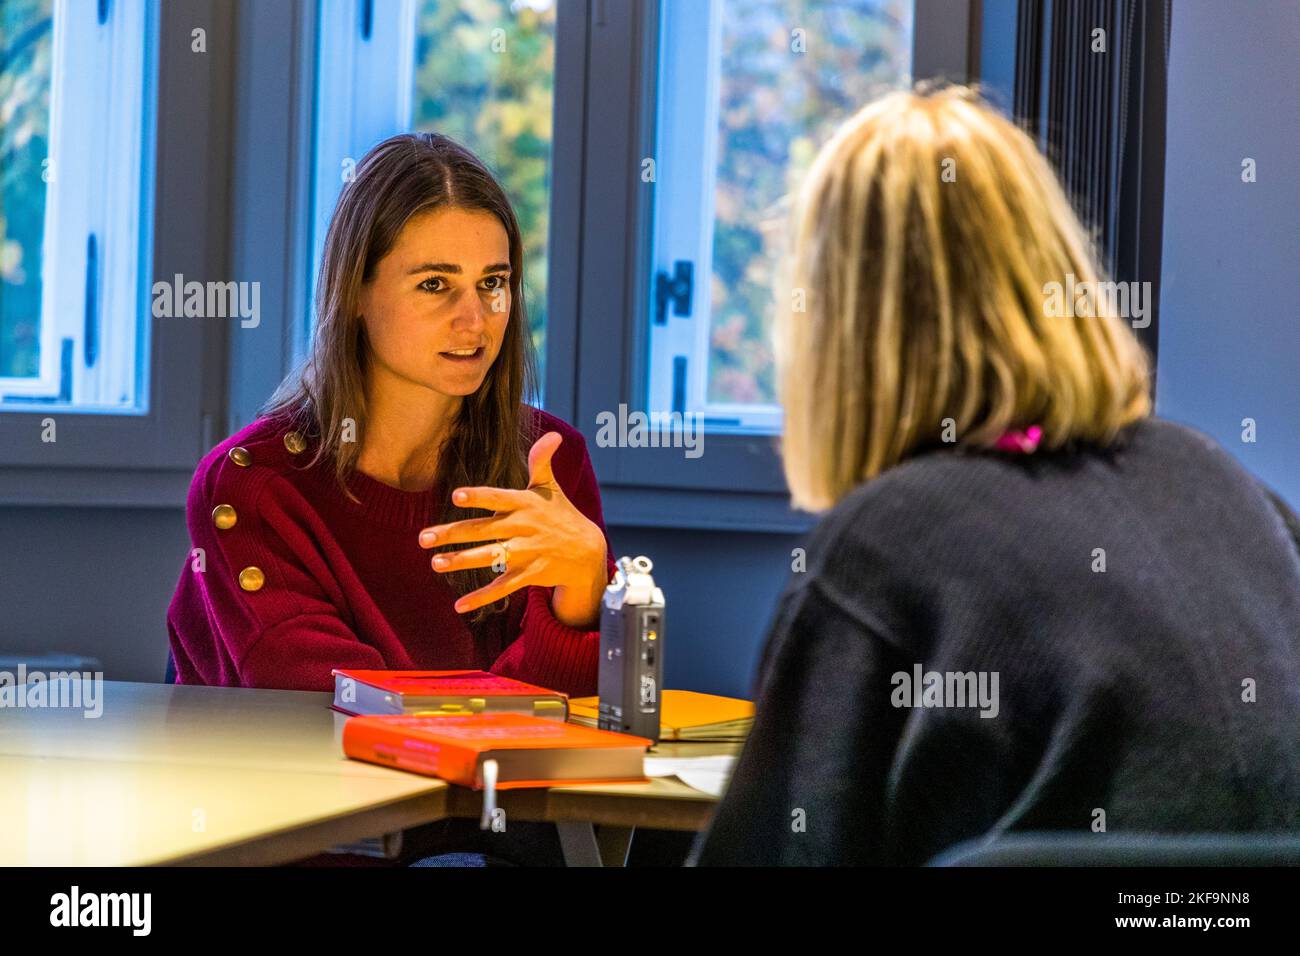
[[398, 505]]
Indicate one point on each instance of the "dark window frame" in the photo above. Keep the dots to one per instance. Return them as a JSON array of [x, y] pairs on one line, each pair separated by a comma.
[[606, 66]]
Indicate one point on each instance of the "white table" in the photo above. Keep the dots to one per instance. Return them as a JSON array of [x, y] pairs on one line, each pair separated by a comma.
[[183, 775]]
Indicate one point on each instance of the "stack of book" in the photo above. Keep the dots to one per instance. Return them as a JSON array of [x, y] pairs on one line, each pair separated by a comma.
[[478, 730], [481, 730]]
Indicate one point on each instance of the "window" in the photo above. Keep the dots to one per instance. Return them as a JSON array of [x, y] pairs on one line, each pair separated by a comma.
[[685, 124], [747, 92], [481, 73], [75, 203], [118, 104]]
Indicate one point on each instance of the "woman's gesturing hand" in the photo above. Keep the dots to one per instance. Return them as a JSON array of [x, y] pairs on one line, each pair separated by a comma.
[[536, 537]]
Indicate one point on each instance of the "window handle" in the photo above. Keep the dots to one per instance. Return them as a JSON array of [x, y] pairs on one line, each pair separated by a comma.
[[90, 337], [367, 18], [675, 288], [679, 384]]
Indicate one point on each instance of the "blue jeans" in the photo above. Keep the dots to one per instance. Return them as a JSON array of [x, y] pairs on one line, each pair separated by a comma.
[[458, 842]]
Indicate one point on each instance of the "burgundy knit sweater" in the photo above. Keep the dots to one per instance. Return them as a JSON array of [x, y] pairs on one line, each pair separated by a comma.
[[289, 579]]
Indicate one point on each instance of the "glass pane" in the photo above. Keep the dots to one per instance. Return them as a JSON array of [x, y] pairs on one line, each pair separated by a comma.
[[790, 72], [484, 75], [76, 137], [25, 54]]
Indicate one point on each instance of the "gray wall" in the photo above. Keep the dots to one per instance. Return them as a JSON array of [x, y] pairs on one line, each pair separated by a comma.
[[720, 588], [1229, 320], [97, 581], [91, 581]]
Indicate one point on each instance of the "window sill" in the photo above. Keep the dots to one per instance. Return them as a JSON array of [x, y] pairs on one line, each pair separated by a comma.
[[693, 509], [94, 487]]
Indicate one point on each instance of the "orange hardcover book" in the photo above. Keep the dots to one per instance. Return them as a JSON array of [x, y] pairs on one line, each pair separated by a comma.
[[529, 751], [463, 692]]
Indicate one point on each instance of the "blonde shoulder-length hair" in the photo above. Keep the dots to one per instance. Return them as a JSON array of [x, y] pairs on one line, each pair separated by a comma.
[[927, 238]]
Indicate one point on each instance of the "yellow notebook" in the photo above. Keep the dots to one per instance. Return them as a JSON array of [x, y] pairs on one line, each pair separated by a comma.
[[684, 715]]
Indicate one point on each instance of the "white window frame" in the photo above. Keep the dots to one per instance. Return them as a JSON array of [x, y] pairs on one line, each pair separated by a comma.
[[686, 179], [100, 155], [377, 71]]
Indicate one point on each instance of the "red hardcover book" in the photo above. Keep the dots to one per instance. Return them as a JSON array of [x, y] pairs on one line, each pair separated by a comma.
[[457, 692], [529, 751]]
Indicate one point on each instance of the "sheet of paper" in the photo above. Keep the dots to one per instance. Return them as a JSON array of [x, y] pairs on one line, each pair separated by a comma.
[[705, 774]]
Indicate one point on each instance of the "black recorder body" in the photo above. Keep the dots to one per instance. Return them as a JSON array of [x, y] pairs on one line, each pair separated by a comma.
[[631, 651]]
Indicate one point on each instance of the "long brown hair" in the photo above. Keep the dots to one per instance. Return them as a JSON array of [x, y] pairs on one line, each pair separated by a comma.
[[402, 177]]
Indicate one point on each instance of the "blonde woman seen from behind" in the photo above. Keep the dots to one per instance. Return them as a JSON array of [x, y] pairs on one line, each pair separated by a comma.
[[1031, 605]]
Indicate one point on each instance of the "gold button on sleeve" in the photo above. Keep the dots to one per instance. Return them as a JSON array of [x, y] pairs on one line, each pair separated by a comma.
[[224, 517], [240, 456], [251, 579], [294, 442]]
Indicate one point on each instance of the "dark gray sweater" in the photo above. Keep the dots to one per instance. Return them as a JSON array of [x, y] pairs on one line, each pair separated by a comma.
[[1161, 694]]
